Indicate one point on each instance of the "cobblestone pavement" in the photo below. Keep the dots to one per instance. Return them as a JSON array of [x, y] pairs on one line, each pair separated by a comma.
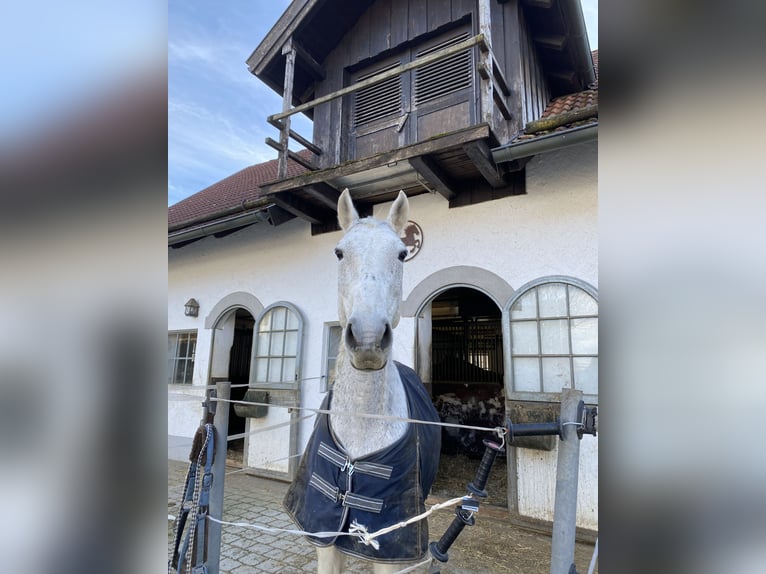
[[492, 546]]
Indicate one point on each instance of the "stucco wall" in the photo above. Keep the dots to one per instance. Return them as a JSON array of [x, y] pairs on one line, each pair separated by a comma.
[[552, 230]]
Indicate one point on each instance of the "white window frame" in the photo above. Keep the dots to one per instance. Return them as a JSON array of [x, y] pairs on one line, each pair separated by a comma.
[[289, 384], [327, 373], [540, 396], [188, 358]]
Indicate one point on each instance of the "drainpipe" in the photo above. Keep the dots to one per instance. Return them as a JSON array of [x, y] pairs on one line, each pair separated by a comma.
[[543, 144]]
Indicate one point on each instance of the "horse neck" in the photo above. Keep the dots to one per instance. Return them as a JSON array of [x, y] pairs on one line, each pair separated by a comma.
[[370, 392]]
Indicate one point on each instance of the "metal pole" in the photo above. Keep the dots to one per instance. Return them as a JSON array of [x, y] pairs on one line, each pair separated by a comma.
[[221, 422], [567, 470]]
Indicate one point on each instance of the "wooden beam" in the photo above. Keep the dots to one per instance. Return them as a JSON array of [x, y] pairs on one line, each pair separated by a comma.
[[419, 62], [324, 194], [277, 215], [434, 175], [451, 140], [502, 105], [297, 137], [486, 86], [553, 42], [316, 69], [481, 157], [287, 99], [292, 155], [301, 208]]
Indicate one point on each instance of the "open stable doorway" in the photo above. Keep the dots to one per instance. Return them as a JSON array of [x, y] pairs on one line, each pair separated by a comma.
[[467, 387]]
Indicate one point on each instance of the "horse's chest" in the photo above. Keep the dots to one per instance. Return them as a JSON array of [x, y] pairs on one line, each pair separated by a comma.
[[368, 436]]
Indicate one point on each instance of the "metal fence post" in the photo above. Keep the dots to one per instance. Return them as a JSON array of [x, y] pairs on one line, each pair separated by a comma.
[[567, 471], [221, 422]]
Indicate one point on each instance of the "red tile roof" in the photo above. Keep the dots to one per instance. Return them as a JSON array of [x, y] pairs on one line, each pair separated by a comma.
[[230, 192], [585, 102], [577, 100]]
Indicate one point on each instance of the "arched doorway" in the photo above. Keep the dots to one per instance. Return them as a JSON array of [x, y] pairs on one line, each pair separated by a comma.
[[239, 374], [466, 368], [230, 361]]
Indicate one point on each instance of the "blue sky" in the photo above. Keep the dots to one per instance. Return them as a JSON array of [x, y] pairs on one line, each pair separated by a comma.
[[216, 109]]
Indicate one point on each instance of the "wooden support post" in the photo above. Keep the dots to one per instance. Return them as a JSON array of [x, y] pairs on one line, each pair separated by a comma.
[[485, 62], [287, 102]]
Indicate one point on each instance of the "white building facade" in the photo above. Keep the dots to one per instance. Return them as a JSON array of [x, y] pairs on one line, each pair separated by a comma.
[[280, 284]]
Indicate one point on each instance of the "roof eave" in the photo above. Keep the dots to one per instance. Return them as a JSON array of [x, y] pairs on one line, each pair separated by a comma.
[[544, 144], [201, 230]]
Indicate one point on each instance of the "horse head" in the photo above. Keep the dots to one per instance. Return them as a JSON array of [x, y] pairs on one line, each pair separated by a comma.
[[370, 263]]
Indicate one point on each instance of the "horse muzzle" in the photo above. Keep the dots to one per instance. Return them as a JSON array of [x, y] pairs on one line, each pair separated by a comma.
[[368, 346]]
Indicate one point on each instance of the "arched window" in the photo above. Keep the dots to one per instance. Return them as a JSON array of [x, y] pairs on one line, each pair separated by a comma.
[[277, 349], [553, 339]]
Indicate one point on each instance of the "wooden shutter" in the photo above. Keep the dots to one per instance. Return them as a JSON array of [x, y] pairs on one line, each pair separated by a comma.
[[445, 76], [379, 100]]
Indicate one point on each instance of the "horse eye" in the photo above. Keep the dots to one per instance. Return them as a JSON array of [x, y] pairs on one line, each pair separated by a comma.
[[338, 254], [402, 255]]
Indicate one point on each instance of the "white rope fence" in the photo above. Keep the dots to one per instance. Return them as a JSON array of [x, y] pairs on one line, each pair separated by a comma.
[[357, 530]]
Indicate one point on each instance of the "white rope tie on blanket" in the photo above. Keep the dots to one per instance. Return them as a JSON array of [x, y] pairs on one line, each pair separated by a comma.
[[357, 530], [368, 538]]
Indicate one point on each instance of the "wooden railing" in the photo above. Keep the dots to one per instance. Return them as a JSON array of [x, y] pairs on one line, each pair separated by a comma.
[[494, 87]]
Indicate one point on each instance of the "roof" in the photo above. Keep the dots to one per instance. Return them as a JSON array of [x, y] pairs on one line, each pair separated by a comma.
[[316, 27], [231, 194], [566, 112]]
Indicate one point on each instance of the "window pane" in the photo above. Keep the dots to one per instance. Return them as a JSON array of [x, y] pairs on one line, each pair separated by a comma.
[[554, 335], [581, 303], [526, 375], [275, 370], [265, 323], [179, 374], [330, 371], [292, 320], [183, 344], [586, 374], [553, 301], [171, 365], [192, 345], [288, 370], [525, 307], [172, 345], [264, 339], [261, 370], [277, 342], [278, 319], [524, 338], [189, 374], [291, 343], [585, 336], [334, 343], [556, 374]]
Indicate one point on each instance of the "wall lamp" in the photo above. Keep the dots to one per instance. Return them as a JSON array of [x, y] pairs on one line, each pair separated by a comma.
[[191, 308]]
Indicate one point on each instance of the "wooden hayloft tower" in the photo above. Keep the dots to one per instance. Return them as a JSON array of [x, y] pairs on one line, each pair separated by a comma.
[[414, 95]]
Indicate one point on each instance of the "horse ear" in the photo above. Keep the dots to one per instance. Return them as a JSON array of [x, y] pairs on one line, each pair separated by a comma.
[[347, 214], [400, 212]]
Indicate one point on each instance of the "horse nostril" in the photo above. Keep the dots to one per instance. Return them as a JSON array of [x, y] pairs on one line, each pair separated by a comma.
[[350, 339], [388, 337]]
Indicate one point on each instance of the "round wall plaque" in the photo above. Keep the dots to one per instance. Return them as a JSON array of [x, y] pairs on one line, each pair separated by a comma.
[[413, 239]]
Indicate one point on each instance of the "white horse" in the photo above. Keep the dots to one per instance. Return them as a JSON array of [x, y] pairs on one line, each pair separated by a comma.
[[370, 471]]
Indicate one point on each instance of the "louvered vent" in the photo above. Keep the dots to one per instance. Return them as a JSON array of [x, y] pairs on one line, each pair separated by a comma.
[[379, 100], [444, 76]]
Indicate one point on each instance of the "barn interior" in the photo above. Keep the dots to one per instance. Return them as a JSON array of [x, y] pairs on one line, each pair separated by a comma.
[[467, 387]]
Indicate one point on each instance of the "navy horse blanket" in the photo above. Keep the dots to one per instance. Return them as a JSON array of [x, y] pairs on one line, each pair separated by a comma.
[[330, 491]]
